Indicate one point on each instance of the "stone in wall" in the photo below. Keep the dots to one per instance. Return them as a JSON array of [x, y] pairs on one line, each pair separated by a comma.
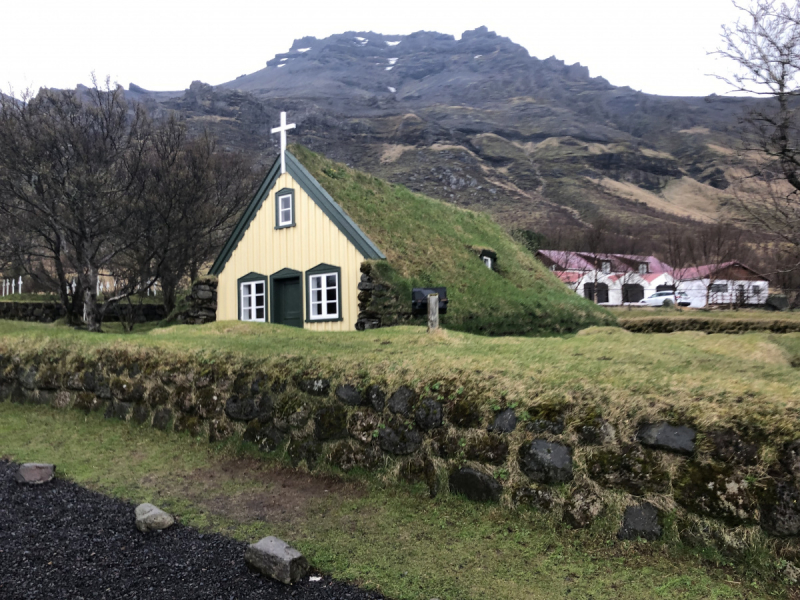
[[716, 491], [475, 485], [379, 304], [202, 303], [634, 469], [546, 462]]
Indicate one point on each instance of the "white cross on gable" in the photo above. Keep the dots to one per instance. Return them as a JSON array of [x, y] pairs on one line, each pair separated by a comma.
[[282, 130]]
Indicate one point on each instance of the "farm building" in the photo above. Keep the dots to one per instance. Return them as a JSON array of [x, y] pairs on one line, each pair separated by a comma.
[[610, 279], [615, 279], [725, 283]]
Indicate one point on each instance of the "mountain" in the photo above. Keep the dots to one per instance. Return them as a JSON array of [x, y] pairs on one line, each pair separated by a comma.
[[480, 123]]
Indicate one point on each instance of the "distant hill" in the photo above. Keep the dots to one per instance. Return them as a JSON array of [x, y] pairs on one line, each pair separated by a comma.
[[480, 123]]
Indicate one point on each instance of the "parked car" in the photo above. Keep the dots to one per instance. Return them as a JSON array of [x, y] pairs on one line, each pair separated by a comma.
[[666, 298]]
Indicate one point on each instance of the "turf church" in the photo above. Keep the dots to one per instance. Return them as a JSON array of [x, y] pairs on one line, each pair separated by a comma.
[[294, 258]]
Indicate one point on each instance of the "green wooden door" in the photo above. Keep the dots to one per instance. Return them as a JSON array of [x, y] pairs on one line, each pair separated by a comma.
[[288, 302]]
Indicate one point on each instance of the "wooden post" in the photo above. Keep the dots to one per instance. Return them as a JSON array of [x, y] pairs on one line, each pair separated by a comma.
[[433, 312]]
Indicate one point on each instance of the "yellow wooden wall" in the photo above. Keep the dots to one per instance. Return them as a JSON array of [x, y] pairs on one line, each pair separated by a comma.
[[313, 240]]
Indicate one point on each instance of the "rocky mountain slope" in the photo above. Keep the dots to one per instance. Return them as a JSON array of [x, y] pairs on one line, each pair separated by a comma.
[[480, 123]]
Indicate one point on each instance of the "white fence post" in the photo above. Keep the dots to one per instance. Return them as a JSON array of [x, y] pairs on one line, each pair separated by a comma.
[[19, 287]]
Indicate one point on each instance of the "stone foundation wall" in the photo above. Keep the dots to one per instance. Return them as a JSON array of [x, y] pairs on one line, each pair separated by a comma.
[[202, 303], [39, 312], [719, 486], [47, 312], [144, 312], [708, 325], [380, 304]]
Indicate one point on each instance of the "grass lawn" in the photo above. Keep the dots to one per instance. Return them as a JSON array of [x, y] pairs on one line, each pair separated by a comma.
[[357, 527], [746, 379]]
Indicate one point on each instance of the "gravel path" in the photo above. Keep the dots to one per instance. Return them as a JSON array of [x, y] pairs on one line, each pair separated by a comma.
[[59, 541]]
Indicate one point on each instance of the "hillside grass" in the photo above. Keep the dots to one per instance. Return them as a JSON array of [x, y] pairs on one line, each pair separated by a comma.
[[431, 243], [708, 380], [385, 536]]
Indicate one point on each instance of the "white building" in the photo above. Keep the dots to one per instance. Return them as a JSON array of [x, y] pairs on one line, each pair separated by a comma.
[[616, 279], [729, 283], [609, 279]]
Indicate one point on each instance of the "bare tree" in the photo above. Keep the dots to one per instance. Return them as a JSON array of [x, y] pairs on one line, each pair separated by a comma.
[[764, 45], [196, 193], [91, 186]]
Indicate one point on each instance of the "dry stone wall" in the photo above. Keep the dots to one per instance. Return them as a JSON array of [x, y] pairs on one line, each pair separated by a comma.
[[39, 312], [48, 312], [712, 486], [202, 303], [708, 325], [380, 304]]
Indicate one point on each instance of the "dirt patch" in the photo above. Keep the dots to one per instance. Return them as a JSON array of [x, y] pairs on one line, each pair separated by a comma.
[[246, 490]]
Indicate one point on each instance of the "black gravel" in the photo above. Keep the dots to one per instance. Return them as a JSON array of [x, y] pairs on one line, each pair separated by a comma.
[[59, 540]]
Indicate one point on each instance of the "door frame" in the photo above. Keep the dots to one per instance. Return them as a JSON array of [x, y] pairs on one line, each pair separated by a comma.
[[285, 274]]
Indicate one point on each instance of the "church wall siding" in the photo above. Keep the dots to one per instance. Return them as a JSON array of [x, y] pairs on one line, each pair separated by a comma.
[[313, 240]]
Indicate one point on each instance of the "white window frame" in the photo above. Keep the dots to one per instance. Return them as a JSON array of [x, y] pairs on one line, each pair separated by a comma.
[[324, 301], [251, 297], [605, 267], [281, 210], [642, 268], [487, 260]]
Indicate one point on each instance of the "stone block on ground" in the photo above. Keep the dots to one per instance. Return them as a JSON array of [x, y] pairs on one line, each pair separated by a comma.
[[664, 436], [277, 559], [152, 518], [35, 473], [640, 522]]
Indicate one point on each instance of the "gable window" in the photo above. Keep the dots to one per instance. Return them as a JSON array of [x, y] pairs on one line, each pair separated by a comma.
[[284, 209], [253, 298], [606, 266], [324, 293], [642, 268]]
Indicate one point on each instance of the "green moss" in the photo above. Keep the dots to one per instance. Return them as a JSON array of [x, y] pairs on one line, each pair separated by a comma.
[[634, 469], [718, 491], [465, 413], [188, 423]]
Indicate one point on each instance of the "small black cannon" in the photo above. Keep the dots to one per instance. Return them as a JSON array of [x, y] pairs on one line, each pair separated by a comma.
[[419, 300]]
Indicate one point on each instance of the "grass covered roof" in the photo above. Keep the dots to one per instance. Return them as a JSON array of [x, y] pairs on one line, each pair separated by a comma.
[[428, 243]]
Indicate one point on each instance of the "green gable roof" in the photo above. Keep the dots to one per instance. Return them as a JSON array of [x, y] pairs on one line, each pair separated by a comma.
[[320, 197]]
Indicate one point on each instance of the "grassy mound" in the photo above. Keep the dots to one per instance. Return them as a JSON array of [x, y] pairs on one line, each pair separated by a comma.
[[431, 243]]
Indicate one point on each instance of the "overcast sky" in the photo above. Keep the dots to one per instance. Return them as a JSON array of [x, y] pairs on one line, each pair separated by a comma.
[[657, 46]]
